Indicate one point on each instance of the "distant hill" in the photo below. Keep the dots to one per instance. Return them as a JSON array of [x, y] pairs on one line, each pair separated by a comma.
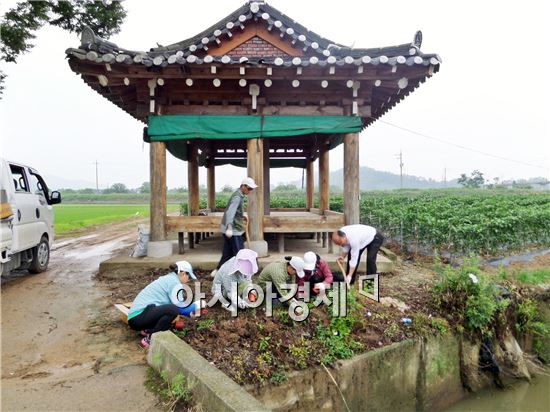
[[371, 179]]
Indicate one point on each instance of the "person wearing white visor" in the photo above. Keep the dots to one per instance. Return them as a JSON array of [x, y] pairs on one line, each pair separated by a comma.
[[239, 271], [317, 274], [282, 273], [233, 222], [160, 302]]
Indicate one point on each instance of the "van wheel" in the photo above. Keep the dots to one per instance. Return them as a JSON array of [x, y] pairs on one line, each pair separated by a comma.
[[40, 256]]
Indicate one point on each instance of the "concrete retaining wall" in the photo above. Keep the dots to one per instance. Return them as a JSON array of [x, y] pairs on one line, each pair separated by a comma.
[[413, 375], [406, 376], [212, 389]]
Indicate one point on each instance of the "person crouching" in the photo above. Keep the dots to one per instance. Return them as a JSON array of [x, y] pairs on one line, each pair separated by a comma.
[[236, 271], [159, 303]]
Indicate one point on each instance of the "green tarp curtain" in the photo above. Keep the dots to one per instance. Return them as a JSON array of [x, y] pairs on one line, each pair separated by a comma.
[[175, 130], [175, 127]]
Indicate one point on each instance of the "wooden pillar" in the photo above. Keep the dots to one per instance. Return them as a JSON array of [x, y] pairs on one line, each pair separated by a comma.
[[351, 178], [267, 179], [309, 184], [256, 197], [192, 187], [211, 185], [281, 242], [324, 177], [157, 159]]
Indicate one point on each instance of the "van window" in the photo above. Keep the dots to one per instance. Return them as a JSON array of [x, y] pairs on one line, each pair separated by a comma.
[[19, 180], [36, 185]]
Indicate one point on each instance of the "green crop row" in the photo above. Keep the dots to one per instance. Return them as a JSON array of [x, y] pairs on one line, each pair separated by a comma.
[[461, 221]]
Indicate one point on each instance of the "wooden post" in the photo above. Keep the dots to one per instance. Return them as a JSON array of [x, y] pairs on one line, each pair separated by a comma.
[[211, 185], [281, 242], [351, 178], [324, 177], [256, 197], [267, 180], [330, 244], [309, 184], [192, 187], [157, 159]]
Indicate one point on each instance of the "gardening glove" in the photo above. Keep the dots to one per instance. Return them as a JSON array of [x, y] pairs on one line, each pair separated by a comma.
[[319, 287], [199, 305], [229, 233], [242, 304]]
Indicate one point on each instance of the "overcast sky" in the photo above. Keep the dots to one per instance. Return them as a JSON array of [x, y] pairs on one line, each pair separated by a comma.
[[490, 95]]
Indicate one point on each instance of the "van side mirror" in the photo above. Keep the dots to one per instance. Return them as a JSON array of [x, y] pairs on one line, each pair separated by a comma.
[[55, 197]]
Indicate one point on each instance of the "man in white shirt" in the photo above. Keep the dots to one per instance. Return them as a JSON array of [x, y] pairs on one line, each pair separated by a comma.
[[354, 239]]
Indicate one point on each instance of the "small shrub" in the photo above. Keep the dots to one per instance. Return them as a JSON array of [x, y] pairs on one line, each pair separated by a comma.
[[300, 353], [264, 343], [467, 294], [173, 394], [204, 324]]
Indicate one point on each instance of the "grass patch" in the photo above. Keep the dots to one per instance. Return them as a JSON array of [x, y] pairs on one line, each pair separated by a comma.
[[534, 276], [70, 217], [173, 395]]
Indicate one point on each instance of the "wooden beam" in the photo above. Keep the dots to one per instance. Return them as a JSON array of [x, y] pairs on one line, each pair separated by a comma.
[[302, 224], [256, 197], [210, 223], [157, 159], [309, 184], [324, 177], [351, 178]]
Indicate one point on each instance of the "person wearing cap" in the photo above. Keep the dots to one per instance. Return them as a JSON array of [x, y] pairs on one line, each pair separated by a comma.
[[282, 273], [317, 273], [354, 239], [232, 226], [239, 270], [160, 302]]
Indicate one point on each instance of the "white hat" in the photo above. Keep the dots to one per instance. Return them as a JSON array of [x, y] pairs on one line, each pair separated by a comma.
[[298, 264], [246, 262], [185, 266], [310, 260], [249, 182]]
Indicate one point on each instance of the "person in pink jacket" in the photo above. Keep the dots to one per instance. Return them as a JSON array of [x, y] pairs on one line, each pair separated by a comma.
[[317, 273]]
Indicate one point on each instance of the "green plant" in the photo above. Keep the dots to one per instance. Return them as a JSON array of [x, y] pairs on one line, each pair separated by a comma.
[[467, 294], [300, 352], [172, 393], [264, 343], [204, 324], [181, 333], [391, 331], [530, 322], [533, 277], [278, 377]]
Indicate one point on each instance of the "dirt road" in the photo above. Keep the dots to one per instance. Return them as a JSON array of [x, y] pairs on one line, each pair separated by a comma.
[[58, 351]]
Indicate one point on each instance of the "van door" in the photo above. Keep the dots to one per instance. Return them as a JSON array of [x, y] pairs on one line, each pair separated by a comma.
[[44, 209], [24, 209]]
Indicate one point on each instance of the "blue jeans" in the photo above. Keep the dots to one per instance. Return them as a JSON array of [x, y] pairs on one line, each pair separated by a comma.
[[231, 247]]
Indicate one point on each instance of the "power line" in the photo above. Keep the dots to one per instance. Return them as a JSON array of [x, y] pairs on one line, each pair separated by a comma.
[[437, 139]]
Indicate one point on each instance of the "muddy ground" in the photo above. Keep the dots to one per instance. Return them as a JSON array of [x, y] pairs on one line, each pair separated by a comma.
[[58, 351], [65, 348]]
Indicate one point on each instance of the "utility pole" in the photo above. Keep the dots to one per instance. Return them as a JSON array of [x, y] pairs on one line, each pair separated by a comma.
[[445, 177], [401, 164], [96, 179]]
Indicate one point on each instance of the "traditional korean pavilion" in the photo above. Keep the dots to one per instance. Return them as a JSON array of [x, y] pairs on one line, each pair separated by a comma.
[[257, 90]]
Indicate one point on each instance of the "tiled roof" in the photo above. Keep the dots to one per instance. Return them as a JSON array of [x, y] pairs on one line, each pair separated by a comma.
[[318, 50]]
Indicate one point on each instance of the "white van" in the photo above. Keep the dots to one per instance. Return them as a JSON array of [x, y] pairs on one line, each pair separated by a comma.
[[26, 218]]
